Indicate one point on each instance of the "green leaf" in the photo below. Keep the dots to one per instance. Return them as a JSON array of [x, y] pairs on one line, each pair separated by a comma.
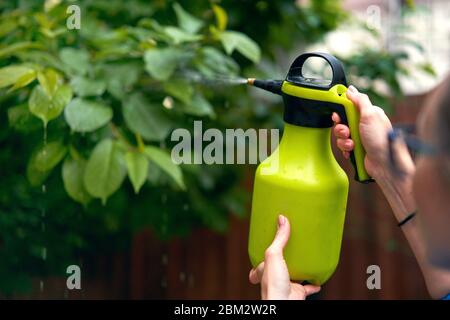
[[137, 165], [187, 21], [164, 162], [48, 108], [233, 40], [21, 119], [50, 4], [7, 26], [154, 175], [12, 74], [86, 116], [24, 80], [221, 17], [50, 81], [17, 47], [161, 63], [145, 118], [178, 35], [75, 59], [105, 170], [86, 87], [46, 157], [43, 58], [199, 106], [428, 68], [120, 77], [43, 160], [212, 62], [34, 176], [72, 176], [180, 89]]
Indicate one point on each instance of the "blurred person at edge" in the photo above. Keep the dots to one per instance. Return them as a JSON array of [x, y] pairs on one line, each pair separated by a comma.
[[423, 188]]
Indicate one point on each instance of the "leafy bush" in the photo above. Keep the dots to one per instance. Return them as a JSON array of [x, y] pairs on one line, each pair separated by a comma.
[[85, 118], [86, 109]]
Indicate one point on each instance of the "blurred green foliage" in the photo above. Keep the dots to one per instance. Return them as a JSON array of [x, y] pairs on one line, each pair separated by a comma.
[[85, 118]]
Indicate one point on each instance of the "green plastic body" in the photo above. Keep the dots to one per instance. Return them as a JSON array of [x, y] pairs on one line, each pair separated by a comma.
[[303, 181]]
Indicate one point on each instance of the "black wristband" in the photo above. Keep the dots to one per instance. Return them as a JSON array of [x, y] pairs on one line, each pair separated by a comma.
[[408, 217]]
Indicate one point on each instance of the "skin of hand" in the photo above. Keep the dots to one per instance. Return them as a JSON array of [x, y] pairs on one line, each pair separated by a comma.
[[374, 127], [273, 273]]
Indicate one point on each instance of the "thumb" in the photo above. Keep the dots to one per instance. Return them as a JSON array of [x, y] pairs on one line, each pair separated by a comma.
[[311, 289], [282, 235], [360, 100]]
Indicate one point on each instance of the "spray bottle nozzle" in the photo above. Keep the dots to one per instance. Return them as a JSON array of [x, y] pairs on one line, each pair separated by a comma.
[[273, 86]]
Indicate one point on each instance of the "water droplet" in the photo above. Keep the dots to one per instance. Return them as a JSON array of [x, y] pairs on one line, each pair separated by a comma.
[[168, 102], [44, 188], [45, 135], [191, 280], [216, 81], [182, 276], [163, 283], [44, 253], [164, 259], [185, 207], [41, 286]]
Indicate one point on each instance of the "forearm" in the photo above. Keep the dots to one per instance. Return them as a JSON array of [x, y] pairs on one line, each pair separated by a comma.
[[399, 193]]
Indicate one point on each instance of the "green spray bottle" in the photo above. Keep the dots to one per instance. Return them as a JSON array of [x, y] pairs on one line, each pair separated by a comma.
[[301, 179]]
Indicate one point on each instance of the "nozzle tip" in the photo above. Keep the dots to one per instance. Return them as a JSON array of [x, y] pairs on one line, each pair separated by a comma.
[[250, 81]]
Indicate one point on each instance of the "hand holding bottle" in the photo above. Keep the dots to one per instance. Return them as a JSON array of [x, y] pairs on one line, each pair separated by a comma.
[[273, 273], [374, 127]]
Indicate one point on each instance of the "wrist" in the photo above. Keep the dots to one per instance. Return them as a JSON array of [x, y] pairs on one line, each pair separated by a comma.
[[398, 190]]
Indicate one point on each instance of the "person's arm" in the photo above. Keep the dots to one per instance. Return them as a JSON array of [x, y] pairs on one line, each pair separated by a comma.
[[374, 127], [399, 196]]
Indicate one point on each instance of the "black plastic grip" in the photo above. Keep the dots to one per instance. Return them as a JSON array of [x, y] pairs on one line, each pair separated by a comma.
[[295, 74]]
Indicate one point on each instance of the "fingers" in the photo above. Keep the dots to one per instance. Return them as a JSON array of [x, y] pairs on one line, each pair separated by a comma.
[[335, 117], [345, 144], [256, 274], [275, 283], [281, 238], [360, 100], [274, 251], [311, 289], [341, 131]]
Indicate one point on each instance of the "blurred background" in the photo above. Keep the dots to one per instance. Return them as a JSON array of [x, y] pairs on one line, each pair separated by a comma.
[[76, 98]]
